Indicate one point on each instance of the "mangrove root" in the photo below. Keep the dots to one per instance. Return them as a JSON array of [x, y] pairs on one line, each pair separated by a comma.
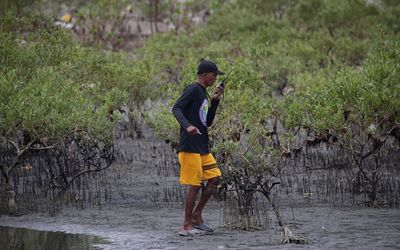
[[289, 238]]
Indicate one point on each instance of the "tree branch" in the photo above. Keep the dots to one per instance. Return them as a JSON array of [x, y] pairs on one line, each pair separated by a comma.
[[84, 172], [57, 142]]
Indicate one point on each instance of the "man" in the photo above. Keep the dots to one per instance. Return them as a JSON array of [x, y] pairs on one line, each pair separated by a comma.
[[194, 114]]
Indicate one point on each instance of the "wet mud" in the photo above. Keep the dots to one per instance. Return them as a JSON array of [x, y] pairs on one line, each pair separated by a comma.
[[27, 239], [137, 226], [146, 211]]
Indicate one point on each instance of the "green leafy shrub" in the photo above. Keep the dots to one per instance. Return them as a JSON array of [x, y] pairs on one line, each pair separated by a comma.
[[51, 85], [297, 45]]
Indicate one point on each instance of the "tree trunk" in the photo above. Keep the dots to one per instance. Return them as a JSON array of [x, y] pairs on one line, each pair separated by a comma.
[[156, 15], [151, 15], [10, 202]]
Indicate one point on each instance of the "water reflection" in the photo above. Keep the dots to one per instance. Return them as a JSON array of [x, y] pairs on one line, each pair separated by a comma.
[[27, 239]]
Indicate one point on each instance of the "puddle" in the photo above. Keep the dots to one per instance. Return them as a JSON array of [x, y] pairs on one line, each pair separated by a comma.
[[26, 239]]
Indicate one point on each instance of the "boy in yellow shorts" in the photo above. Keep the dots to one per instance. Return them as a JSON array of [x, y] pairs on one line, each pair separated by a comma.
[[195, 115]]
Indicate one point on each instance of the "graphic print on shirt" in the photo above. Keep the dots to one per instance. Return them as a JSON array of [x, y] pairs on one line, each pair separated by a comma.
[[203, 112]]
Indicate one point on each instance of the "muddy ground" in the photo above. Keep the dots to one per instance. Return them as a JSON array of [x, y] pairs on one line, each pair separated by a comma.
[[146, 212], [137, 226]]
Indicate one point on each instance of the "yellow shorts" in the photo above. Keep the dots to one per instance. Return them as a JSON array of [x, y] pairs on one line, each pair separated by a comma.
[[196, 168]]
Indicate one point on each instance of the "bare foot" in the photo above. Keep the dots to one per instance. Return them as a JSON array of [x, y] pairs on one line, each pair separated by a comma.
[[187, 227]]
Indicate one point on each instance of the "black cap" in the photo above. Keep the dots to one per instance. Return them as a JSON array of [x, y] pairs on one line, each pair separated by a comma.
[[208, 66]]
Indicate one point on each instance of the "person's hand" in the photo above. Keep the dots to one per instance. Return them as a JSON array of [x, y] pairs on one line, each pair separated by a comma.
[[192, 130], [218, 91]]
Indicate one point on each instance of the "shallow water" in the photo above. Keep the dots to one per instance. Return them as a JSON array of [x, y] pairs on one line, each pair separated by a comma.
[[27, 239], [136, 226]]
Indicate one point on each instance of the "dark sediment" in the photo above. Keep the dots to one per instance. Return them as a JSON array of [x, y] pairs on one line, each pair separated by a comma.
[[144, 206]]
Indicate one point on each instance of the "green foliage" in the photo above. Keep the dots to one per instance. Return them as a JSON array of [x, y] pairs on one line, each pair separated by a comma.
[[306, 61], [166, 124], [320, 52], [381, 91], [353, 96], [329, 66], [51, 85], [17, 6]]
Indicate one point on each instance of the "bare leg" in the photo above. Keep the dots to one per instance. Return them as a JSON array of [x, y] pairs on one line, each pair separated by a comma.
[[205, 196], [190, 203]]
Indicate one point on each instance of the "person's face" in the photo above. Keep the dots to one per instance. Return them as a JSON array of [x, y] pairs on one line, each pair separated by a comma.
[[210, 78]]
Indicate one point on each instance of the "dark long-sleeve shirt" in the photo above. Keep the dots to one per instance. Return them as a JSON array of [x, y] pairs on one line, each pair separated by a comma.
[[192, 108]]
